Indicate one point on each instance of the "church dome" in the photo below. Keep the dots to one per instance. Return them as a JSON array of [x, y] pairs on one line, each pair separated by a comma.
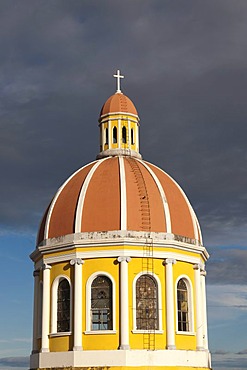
[[120, 193], [118, 103]]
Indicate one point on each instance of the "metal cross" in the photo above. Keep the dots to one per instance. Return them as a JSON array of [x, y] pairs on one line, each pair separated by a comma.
[[118, 76]]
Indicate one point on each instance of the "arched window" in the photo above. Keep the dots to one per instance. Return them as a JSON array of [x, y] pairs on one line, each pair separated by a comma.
[[63, 306], [106, 136], [182, 306], [146, 303], [101, 303], [114, 134], [124, 135], [132, 136]]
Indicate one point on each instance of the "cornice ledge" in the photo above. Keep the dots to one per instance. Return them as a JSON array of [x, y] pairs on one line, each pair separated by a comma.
[[118, 237]]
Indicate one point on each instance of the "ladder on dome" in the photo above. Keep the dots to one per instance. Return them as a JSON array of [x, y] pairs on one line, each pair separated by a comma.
[[147, 258]]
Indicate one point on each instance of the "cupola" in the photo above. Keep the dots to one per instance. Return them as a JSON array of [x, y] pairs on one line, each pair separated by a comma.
[[119, 125]]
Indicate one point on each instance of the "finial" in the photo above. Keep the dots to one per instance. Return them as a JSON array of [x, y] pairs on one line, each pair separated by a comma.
[[118, 76]]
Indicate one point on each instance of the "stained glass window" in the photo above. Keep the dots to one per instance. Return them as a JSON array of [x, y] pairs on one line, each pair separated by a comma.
[[101, 303], [146, 303], [182, 306], [63, 306]]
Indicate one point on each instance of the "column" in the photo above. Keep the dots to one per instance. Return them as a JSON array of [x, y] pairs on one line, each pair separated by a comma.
[[136, 137], [119, 134], [124, 303], [204, 309], [35, 310], [169, 262], [46, 308], [110, 135], [199, 323], [129, 135], [102, 136], [78, 262]]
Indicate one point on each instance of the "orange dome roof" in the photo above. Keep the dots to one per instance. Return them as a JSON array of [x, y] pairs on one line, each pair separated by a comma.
[[120, 193], [118, 103]]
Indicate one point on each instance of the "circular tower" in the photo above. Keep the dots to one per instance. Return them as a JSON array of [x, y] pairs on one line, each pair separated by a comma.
[[119, 263]]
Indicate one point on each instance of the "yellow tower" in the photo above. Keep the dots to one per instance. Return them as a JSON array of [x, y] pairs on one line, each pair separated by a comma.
[[120, 263]]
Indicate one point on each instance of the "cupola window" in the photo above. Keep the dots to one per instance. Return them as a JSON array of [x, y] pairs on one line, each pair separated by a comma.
[[106, 136], [124, 135], [63, 306], [101, 303], [182, 306], [146, 303], [114, 134], [132, 136]]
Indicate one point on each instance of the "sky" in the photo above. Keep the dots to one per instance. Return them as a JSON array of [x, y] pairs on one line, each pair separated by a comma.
[[185, 68]]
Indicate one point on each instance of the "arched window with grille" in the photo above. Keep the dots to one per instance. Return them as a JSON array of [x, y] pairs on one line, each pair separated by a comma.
[[101, 303], [63, 306], [106, 136], [124, 135], [147, 303], [114, 135], [182, 306], [132, 136]]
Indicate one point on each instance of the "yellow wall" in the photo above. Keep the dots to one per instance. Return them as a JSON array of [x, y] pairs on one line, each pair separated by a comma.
[[136, 265]]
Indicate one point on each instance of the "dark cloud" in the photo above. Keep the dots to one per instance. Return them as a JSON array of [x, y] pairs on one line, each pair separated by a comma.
[[185, 68], [227, 266]]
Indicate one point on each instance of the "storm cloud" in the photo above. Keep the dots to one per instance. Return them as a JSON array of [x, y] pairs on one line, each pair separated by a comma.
[[185, 69]]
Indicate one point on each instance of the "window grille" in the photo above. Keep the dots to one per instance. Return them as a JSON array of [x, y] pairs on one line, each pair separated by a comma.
[[146, 303], [63, 306], [182, 306], [101, 303]]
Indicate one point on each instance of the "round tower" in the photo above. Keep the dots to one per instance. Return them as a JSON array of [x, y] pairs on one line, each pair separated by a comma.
[[119, 263]]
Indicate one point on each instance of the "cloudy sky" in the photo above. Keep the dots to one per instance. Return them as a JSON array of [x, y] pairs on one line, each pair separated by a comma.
[[185, 67]]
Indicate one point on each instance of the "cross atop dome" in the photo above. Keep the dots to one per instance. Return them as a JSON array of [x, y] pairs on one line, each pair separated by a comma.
[[118, 77]]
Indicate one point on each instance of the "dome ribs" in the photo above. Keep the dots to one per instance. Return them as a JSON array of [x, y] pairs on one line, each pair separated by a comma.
[[143, 195]]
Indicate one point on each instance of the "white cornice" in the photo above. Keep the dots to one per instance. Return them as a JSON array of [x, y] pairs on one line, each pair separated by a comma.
[[120, 238], [132, 253]]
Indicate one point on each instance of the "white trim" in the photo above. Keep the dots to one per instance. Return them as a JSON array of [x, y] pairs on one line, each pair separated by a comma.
[[123, 205], [48, 217], [119, 133], [88, 300], [156, 278], [167, 214], [104, 332], [60, 334], [147, 331], [54, 290], [190, 305], [79, 208], [123, 252], [118, 113]]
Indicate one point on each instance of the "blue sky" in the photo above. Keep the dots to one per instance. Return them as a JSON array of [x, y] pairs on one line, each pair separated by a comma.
[[185, 69]]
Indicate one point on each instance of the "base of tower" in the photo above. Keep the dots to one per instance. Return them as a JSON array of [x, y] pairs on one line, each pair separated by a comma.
[[122, 360]]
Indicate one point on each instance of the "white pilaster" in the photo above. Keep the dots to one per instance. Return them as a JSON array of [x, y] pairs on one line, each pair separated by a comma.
[[102, 137], [110, 134], [77, 262], [35, 311], [199, 312], [204, 309], [170, 322], [119, 134], [136, 137], [46, 309], [124, 303], [129, 135]]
